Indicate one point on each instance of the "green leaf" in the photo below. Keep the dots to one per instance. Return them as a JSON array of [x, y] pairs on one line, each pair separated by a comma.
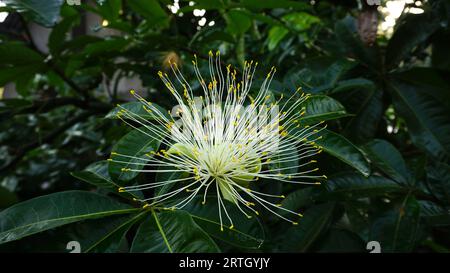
[[53, 210], [150, 10], [115, 44], [59, 34], [398, 230], [246, 233], [44, 13], [237, 22], [388, 159], [438, 178], [341, 148], [434, 215], [276, 34], [314, 222], [18, 54], [136, 143], [353, 84], [355, 186], [297, 21], [320, 108], [413, 30], [18, 63], [136, 108], [426, 116], [173, 232], [298, 199], [109, 10], [97, 174], [110, 240], [366, 105]]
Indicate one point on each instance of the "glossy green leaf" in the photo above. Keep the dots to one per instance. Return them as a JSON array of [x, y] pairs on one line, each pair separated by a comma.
[[97, 174], [320, 108], [136, 143], [53, 210], [341, 148], [172, 232], [356, 186], [388, 159], [299, 199]]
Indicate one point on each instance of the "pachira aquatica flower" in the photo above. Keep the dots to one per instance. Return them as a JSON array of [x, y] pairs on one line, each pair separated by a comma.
[[223, 139]]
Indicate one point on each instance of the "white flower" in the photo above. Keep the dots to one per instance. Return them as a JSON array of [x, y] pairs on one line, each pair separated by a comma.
[[224, 141]]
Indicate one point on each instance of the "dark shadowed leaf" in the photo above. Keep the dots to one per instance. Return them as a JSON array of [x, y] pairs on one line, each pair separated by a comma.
[[314, 222], [388, 159], [172, 232], [357, 186], [427, 116], [246, 233], [400, 229]]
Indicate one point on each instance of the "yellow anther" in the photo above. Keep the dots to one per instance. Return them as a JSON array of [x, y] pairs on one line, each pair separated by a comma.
[[121, 189], [132, 92], [324, 176], [109, 159], [294, 223], [317, 183], [232, 226], [145, 206]]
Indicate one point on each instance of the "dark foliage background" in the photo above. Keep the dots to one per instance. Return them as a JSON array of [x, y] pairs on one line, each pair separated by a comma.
[[386, 97]]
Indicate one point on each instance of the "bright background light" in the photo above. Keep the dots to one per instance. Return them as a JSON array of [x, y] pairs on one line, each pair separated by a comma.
[[3, 15], [392, 11]]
